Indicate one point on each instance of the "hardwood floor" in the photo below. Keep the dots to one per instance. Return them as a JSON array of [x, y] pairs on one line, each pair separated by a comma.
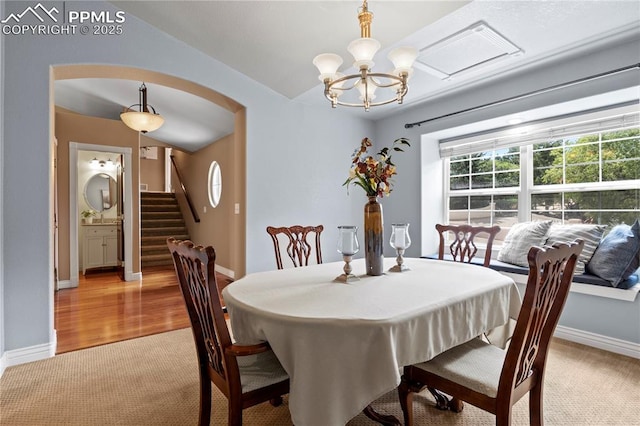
[[103, 309]]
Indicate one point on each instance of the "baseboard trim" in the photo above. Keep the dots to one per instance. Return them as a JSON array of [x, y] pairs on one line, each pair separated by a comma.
[[133, 276], [66, 284], [29, 354], [622, 347], [3, 363], [225, 271]]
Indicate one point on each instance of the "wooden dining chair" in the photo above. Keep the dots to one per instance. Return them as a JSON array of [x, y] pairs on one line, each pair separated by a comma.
[[302, 241], [489, 377], [246, 375], [463, 248]]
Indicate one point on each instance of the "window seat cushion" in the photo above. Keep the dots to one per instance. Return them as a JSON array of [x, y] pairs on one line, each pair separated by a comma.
[[584, 278], [618, 255]]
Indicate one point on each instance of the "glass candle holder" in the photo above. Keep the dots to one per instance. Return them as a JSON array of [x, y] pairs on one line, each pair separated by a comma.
[[347, 246], [400, 241]]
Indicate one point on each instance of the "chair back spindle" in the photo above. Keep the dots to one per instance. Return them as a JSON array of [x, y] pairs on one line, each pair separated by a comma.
[[299, 249], [463, 247], [550, 275]]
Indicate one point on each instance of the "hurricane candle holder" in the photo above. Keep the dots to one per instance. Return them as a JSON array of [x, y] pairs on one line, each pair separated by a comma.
[[347, 246], [400, 241]]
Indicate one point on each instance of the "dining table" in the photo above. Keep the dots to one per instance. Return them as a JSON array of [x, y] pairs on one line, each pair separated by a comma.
[[343, 344]]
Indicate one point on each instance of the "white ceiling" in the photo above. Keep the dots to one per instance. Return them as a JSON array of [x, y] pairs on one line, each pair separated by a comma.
[[274, 42]]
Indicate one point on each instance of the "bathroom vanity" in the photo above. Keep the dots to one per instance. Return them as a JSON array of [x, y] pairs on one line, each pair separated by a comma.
[[99, 246]]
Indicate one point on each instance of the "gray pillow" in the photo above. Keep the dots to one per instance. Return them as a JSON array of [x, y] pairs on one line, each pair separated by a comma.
[[590, 234], [519, 240], [618, 255]]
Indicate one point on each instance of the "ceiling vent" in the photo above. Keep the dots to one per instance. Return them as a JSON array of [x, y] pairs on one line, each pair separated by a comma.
[[470, 49]]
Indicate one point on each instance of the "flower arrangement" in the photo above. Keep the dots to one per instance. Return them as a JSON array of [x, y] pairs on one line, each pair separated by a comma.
[[374, 174], [88, 213]]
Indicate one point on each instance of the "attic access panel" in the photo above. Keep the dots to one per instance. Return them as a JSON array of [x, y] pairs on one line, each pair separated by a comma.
[[470, 49]]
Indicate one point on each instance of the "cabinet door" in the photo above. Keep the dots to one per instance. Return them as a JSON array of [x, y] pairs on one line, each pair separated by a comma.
[[94, 252], [111, 250]]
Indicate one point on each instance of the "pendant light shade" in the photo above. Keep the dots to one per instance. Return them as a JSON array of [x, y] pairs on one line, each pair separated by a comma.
[[145, 118]]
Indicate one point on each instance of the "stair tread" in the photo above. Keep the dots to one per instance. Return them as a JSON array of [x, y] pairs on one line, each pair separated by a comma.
[[161, 218]]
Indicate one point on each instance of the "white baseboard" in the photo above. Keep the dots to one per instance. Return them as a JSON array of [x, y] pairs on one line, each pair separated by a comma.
[[3, 363], [225, 271], [28, 354], [66, 284], [599, 341], [132, 276]]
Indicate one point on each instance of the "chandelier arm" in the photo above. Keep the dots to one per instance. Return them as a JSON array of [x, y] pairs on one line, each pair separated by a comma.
[[331, 84], [131, 109], [371, 104], [399, 80]]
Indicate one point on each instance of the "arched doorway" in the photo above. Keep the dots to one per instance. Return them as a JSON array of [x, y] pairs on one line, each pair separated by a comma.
[[66, 219]]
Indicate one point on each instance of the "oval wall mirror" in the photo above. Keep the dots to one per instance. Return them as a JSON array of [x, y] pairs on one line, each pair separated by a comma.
[[100, 192]]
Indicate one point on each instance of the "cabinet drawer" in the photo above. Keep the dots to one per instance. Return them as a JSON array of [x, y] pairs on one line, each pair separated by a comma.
[[99, 230]]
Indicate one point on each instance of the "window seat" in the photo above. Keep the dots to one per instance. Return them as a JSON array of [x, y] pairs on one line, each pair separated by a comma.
[[582, 283]]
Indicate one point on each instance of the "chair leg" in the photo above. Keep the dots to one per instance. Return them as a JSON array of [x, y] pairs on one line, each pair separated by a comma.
[[456, 405], [503, 415], [442, 403], [405, 395], [205, 401], [536, 418], [276, 402], [235, 413]]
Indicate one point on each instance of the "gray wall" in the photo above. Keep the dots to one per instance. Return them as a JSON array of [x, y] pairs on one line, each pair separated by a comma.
[[297, 157]]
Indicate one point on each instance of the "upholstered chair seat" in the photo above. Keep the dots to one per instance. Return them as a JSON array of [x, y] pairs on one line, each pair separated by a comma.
[[475, 364], [260, 370]]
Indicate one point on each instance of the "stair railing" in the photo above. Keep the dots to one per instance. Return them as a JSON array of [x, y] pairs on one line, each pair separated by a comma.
[[196, 218]]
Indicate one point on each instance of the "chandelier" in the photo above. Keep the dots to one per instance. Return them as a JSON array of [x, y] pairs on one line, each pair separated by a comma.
[[142, 120], [367, 82]]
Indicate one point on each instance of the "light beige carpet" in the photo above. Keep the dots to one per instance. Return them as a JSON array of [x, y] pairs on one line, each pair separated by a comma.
[[153, 381]]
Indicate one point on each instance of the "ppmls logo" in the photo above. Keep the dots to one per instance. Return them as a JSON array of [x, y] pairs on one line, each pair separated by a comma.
[[33, 11], [40, 20]]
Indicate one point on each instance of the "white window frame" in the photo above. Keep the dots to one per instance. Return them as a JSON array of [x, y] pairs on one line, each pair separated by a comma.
[[527, 189]]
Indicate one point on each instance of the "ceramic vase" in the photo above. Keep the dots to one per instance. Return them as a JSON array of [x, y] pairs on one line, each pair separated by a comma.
[[373, 237]]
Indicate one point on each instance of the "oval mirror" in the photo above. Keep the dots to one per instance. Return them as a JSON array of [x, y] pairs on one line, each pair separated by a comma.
[[100, 192]]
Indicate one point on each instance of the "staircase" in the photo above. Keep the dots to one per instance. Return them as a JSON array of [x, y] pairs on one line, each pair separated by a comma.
[[160, 219]]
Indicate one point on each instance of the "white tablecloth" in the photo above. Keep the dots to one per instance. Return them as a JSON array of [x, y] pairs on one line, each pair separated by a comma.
[[343, 345]]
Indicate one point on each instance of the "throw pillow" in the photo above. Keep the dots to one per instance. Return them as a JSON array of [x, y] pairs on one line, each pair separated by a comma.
[[519, 240], [590, 234], [618, 255]]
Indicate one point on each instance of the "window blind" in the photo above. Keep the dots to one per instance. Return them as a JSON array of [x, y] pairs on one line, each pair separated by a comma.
[[543, 130]]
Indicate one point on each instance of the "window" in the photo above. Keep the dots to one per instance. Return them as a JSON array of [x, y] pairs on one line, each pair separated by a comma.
[[588, 177], [215, 184], [592, 178]]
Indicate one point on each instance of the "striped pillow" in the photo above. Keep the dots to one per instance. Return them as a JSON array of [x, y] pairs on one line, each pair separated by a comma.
[[590, 234], [519, 240]]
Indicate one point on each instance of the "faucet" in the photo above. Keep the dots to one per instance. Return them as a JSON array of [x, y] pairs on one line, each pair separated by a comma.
[[101, 217]]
